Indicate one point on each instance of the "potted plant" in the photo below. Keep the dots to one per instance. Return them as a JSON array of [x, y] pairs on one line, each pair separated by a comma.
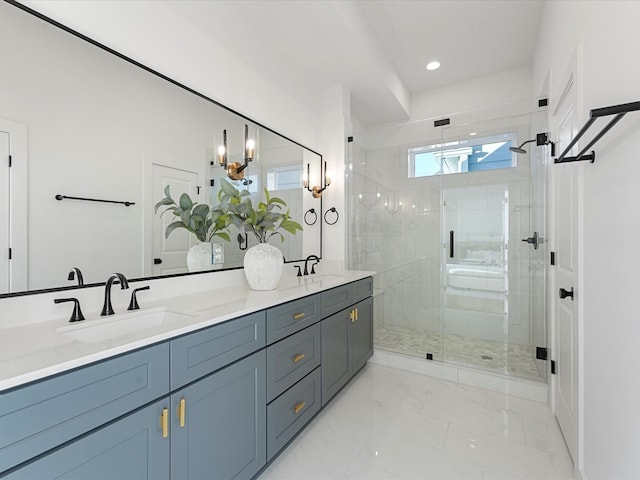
[[198, 218], [263, 262]]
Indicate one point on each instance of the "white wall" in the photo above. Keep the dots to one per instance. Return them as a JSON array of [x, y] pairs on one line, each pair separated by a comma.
[[505, 87], [154, 34], [607, 34]]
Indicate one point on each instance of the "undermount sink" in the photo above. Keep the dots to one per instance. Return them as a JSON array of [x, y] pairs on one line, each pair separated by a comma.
[[92, 331]]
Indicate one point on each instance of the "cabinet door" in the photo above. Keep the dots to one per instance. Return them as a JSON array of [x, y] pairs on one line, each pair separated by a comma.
[[131, 448], [335, 354], [361, 338], [224, 424]]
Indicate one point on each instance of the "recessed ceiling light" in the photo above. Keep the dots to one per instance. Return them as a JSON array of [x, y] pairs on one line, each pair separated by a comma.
[[473, 133], [433, 65]]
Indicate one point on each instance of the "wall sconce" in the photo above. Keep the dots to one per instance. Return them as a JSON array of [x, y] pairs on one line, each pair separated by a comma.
[[235, 170], [316, 192]]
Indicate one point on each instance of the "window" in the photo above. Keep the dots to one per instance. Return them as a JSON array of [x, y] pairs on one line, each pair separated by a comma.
[[287, 177], [472, 155]]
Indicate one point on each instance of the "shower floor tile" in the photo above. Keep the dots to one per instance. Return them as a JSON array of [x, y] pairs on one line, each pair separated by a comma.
[[512, 359]]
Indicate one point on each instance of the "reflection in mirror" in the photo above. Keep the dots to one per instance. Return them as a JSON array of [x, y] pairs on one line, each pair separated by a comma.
[[92, 125]]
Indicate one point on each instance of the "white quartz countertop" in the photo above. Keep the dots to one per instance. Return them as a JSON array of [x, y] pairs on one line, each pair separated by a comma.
[[37, 350]]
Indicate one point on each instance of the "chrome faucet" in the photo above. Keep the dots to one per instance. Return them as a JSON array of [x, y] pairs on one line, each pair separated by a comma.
[[107, 309], [313, 270]]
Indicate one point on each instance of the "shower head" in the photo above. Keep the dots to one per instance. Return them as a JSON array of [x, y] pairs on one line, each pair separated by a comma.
[[520, 149]]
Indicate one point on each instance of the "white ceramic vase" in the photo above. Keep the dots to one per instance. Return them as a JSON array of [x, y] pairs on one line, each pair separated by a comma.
[[199, 257], [263, 266]]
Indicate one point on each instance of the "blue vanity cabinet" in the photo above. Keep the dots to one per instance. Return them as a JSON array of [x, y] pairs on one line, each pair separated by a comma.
[[130, 448], [202, 352], [218, 426], [347, 336], [292, 317], [361, 335], [335, 354], [38, 417], [218, 415]]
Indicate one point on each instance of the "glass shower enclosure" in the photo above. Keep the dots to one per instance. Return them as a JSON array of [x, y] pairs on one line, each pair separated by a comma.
[[446, 214]]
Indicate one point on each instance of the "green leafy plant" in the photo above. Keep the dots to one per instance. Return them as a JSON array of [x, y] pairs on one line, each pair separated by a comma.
[[264, 221], [198, 218]]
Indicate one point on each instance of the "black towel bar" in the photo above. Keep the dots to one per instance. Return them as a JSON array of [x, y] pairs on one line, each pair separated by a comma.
[[62, 197], [618, 110]]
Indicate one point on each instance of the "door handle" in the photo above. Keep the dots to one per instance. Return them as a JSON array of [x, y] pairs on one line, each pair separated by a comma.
[[157, 261], [451, 243], [535, 240], [566, 293]]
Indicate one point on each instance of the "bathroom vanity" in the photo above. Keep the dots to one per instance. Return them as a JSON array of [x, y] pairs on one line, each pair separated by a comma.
[[212, 392]]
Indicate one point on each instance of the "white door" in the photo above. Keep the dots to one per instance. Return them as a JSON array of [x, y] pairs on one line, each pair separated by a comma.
[[170, 254], [565, 211], [5, 205]]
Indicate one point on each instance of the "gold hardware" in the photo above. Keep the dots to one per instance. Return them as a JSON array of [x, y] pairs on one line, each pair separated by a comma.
[[299, 407], [352, 316], [298, 357], [164, 422], [182, 410], [298, 316], [356, 314]]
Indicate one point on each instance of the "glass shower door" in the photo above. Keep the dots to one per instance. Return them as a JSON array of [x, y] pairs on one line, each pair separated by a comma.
[[475, 274]]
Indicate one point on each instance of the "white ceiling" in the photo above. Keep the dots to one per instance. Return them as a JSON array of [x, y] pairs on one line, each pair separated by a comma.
[[377, 48]]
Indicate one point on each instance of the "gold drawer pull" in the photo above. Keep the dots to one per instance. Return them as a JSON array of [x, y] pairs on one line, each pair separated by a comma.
[[182, 411], [352, 316], [299, 407], [298, 316], [299, 357], [164, 422], [356, 314]]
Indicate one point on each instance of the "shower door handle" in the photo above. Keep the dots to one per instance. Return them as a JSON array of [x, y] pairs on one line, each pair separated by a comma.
[[452, 241], [535, 240]]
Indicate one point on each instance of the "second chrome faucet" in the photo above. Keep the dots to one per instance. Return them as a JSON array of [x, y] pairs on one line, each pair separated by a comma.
[[107, 308]]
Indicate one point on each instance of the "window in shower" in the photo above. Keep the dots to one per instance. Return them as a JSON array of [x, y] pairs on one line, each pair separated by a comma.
[[469, 155]]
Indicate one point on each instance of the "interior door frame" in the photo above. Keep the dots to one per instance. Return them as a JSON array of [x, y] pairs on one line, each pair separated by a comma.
[[18, 204]]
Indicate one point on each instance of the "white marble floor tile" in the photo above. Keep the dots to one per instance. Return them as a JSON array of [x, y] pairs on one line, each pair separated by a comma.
[[393, 424], [527, 409], [500, 455], [545, 437]]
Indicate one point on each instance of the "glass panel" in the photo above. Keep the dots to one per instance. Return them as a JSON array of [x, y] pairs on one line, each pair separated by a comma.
[[488, 318], [395, 220], [481, 305]]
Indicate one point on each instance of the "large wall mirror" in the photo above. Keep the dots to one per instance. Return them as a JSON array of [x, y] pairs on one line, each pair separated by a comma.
[[83, 122]]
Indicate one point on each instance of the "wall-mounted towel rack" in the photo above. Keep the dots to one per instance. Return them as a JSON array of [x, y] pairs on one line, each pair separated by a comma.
[[618, 110], [62, 197]]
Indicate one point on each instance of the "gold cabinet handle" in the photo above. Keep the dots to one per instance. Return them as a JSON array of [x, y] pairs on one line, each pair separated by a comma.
[[299, 407], [182, 411], [164, 422], [299, 316], [299, 357], [352, 316], [356, 314]]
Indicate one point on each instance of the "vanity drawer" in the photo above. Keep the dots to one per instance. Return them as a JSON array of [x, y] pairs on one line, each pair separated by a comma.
[[362, 289], [205, 351], [291, 359], [291, 317], [42, 415], [290, 412], [339, 298]]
